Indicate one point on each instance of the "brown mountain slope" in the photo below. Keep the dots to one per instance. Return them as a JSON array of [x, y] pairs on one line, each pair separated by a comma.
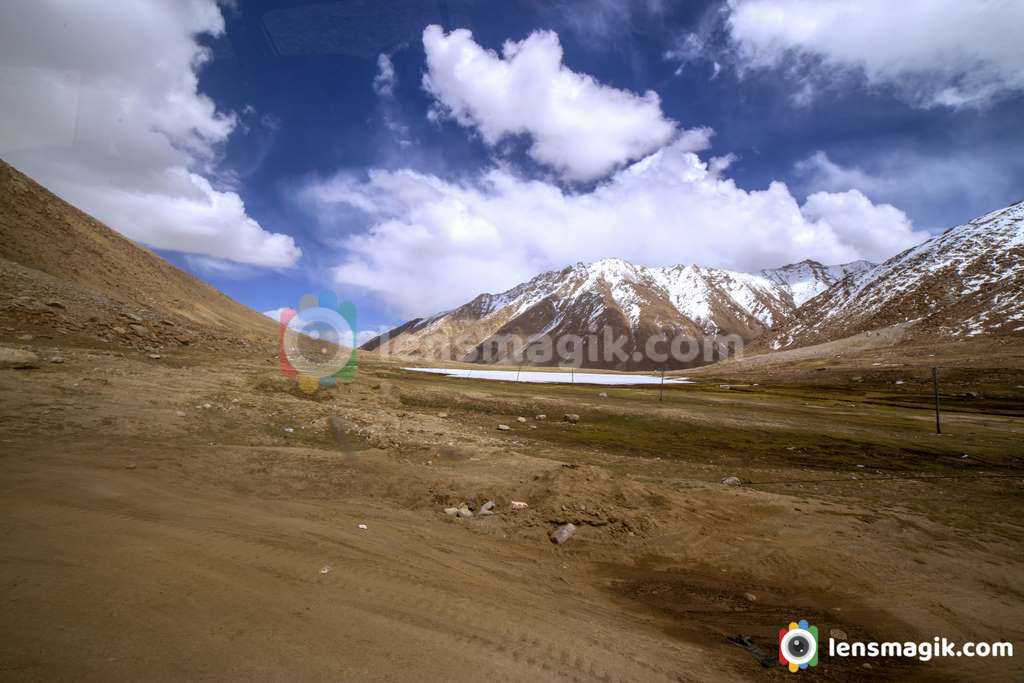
[[64, 269]]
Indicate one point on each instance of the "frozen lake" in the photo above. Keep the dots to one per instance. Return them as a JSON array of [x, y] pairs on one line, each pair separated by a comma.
[[551, 377]]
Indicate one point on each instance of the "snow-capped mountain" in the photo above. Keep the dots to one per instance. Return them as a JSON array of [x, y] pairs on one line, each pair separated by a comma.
[[632, 300], [808, 279], [965, 282]]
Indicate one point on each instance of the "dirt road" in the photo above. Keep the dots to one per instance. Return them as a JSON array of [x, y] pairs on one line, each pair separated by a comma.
[[160, 522]]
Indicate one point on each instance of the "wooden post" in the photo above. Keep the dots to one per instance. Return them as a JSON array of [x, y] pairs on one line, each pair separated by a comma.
[[661, 392], [935, 385]]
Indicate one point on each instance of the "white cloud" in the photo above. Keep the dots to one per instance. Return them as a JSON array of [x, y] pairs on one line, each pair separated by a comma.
[[101, 105], [579, 127], [940, 190], [275, 314], [433, 244], [384, 81], [952, 53]]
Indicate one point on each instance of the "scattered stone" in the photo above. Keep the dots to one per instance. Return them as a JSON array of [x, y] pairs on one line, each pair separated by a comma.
[[207, 406], [541, 417], [464, 511], [130, 466], [17, 359], [325, 570], [518, 505], [866, 665], [289, 429], [55, 304], [26, 337], [363, 527], [563, 533], [451, 512], [487, 508], [154, 356], [442, 414], [140, 330], [132, 316], [732, 481], [57, 360], [503, 428], [750, 597], [571, 418], [857, 378], [838, 634], [520, 419], [180, 413], [603, 394]]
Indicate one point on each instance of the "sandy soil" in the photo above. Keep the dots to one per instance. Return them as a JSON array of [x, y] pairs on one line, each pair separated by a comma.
[[160, 522]]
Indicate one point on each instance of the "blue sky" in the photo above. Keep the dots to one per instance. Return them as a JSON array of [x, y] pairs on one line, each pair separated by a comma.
[[278, 148]]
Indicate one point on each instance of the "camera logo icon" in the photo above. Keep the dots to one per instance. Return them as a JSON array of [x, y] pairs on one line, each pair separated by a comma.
[[798, 645], [318, 341]]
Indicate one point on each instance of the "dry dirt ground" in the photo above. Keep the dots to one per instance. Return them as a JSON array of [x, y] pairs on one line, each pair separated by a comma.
[[196, 517]]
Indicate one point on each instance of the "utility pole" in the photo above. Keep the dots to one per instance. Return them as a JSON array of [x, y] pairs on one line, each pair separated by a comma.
[[935, 386], [661, 392]]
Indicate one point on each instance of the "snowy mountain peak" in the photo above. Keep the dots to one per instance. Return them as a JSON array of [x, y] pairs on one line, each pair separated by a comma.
[[967, 281], [641, 301]]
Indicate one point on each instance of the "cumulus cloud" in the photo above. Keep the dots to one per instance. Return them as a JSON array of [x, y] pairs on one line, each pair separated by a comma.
[[384, 81], [930, 52], [940, 190], [432, 244], [577, 126], [101, 105]]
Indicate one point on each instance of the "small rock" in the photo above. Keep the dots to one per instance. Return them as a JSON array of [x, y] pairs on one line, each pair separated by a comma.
[[289, 429], [750, 597], [503, 428], [541, 417], [207, 406], [140, 330], [603, 394], [451, 512], [838, 634], [57, 360], [130, 466], [119, 330], [487, 508], [153, 356], [520, 419], [732, 481], [571, 418], [17, 359], [180, 413], [563, 533], [55, 304], [464, 511], [363, 527], [26, 337], [518, 505], [325, 570], [442, 414], [857, 378], [866, 665]]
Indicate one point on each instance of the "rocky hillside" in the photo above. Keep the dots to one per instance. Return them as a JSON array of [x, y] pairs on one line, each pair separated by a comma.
[[808, 279], [64, 274], [630, 300], [967, 281]]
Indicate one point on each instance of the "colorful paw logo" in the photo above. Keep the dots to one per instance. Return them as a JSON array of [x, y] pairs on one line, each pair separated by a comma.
[[798, 645], [318, 341]]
